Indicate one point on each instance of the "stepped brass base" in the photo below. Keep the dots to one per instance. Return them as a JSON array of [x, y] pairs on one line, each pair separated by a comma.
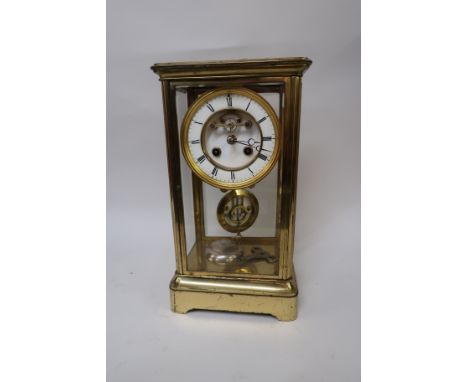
[[275, 297]]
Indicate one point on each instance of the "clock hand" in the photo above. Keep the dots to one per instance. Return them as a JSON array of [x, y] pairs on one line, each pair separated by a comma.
[[242, 143], [260, 148], [250, 142], [257, 147]]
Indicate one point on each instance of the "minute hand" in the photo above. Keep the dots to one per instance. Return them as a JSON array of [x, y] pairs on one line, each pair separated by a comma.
[[255, 144], [243, 143]]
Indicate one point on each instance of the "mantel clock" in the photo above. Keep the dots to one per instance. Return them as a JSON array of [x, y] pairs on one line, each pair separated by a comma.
[[232, 136]]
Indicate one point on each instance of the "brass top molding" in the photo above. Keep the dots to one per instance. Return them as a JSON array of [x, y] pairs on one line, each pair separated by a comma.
[[265, 67]]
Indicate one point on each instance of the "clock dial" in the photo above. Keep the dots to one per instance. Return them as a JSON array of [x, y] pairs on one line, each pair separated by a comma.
[[230, 138]]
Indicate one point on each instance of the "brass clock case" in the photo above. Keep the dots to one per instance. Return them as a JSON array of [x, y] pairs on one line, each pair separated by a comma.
[[215, 269], [201, 102]]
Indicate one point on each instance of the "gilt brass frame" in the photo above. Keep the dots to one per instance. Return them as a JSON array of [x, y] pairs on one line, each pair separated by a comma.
[[257, 293]]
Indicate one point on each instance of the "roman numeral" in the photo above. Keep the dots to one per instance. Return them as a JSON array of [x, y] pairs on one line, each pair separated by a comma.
[[267, 138], [201, 159], [233, 176], [195, 141], [197, 122], [208, 105], [248, 168], [247, 108], [215, 171], [229, 100], [262, 119], [261, 156]]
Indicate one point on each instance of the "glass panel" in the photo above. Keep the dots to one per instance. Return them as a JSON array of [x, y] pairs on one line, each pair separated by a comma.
[[265, 223], [230, 231], [186, 177]]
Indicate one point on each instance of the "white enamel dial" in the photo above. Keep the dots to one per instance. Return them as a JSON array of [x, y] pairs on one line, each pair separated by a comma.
[[230, 137]]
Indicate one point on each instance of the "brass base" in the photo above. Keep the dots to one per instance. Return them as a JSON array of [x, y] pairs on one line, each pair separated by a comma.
[[275, 297]]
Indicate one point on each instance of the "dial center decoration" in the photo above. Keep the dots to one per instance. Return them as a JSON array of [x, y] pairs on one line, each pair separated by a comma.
[[230, 138], [225, 135]]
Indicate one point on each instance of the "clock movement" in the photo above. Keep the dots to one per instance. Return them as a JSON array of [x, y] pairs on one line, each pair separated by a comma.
[[232, 139]]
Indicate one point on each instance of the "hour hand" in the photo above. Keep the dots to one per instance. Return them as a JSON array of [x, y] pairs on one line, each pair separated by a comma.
[[243, 143], [253, 143], [249, 142]]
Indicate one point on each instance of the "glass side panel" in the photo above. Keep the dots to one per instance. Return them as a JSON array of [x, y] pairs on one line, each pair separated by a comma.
[[186, 177], [230, 231]]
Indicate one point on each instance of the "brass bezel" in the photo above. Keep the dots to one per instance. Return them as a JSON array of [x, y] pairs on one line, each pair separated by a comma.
[[185, 142], [226, 199]]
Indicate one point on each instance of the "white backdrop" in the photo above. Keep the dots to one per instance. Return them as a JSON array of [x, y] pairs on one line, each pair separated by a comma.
[[146, 341]]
